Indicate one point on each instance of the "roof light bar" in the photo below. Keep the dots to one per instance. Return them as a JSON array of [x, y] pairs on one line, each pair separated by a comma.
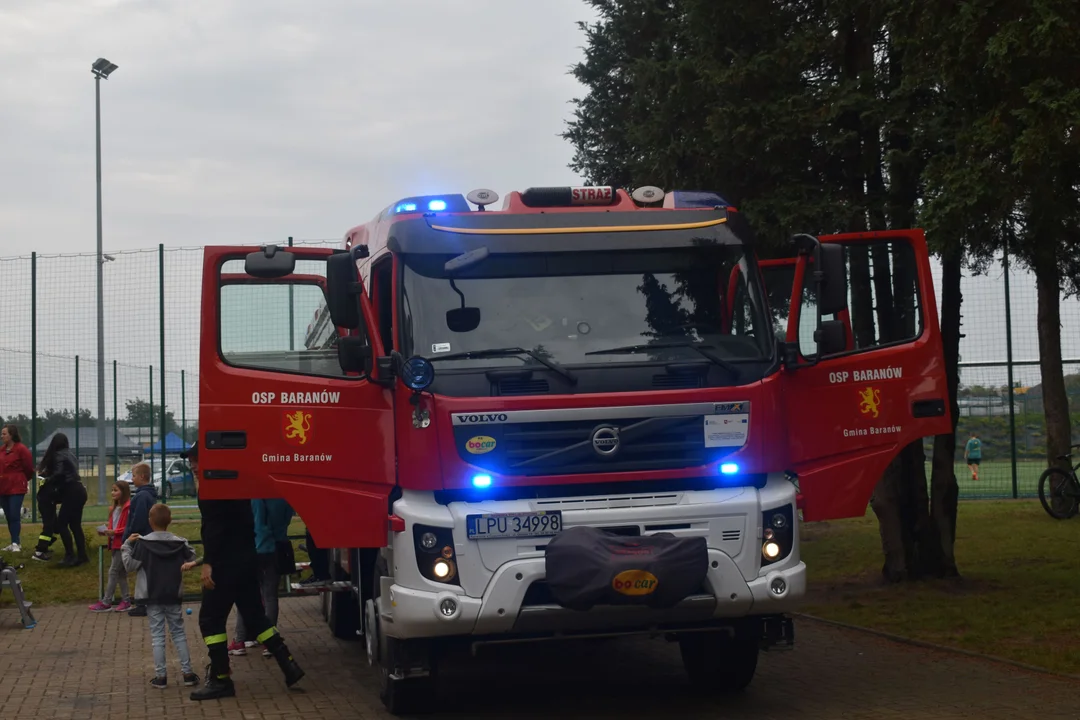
[[569, 196], [431, 203], [694, 199]]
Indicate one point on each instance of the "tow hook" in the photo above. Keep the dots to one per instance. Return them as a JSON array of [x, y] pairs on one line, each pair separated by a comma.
[[778, 633]]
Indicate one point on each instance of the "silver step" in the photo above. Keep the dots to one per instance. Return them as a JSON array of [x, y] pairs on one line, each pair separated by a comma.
[[339, 586]]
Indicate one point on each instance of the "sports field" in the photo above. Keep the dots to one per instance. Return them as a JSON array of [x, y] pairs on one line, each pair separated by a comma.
[[995, 479]]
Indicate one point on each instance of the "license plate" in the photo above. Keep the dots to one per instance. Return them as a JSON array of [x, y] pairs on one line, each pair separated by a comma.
[[513, 525]]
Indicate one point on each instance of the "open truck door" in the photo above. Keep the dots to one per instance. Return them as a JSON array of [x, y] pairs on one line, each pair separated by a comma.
[[278, 414], [864, 369]]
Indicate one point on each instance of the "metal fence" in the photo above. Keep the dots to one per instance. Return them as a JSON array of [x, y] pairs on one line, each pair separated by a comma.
[[48, 365], [48, 356]]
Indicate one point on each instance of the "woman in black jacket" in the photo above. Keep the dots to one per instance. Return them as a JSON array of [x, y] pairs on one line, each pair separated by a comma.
[[62, 486]]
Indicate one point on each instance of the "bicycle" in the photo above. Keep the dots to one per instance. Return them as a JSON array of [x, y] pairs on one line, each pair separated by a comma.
[[1059, 490]]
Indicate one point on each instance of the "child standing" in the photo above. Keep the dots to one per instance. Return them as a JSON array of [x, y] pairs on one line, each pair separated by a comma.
[[114, 531], [159, 559]]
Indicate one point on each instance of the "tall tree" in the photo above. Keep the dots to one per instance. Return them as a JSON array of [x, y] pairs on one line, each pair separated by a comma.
[[839, 116], [1012, 69]]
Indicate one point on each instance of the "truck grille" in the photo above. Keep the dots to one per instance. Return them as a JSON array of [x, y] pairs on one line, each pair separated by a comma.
[[566, 447]]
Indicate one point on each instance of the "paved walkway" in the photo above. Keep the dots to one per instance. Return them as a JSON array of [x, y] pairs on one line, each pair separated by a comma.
[[78, 665]]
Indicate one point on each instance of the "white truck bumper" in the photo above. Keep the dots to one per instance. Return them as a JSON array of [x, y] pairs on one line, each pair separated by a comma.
[[491, 595], [413, 613]]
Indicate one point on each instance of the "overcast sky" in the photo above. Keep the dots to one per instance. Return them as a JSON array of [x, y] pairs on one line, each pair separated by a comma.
[[244, 121], [236, 120]]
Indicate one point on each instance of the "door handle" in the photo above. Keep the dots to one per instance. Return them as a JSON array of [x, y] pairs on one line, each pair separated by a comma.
[[226, 440], [220, 474], [928, 408]]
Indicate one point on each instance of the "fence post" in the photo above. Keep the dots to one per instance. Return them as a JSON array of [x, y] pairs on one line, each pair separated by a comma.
[[161, 329], [292, 323], [151, 425], [1009, 361], [33, 382], [115, 426], [78, 458], [183, 410]]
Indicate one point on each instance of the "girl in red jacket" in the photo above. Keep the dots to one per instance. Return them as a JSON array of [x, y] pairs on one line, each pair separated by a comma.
[[114, 531], [16, 470]]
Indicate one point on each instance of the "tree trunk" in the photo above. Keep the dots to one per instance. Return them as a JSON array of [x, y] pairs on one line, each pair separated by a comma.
[[1055, 401], [944, 490]]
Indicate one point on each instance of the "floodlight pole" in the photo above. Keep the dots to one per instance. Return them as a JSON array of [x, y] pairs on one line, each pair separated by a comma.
[[100, 70]]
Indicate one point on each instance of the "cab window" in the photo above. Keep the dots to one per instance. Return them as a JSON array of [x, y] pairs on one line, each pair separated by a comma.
[[280, 325]]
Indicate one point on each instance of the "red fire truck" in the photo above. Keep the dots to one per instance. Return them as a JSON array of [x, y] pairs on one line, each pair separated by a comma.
[[587, 413]]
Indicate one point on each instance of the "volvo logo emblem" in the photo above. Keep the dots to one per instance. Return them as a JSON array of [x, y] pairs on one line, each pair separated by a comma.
[[605, 441]]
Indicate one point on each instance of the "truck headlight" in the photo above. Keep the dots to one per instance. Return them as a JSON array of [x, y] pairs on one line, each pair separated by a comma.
[[435, 556], [778, 534]]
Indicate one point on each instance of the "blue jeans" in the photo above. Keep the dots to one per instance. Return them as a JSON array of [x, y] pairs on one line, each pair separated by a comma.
[[12, 507], [159, 615]]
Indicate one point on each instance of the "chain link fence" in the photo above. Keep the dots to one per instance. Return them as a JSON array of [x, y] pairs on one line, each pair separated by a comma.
[[151, 302], [49, 373]]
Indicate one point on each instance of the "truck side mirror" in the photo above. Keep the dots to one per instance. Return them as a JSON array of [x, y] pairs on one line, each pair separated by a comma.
[[354, 355], [831, 337], [269, 263], [832, 279], [342, 288]]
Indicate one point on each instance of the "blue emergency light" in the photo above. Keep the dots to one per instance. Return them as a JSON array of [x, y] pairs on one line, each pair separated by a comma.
[[697, 199], [432, 203], [481, 481], [729, 468]]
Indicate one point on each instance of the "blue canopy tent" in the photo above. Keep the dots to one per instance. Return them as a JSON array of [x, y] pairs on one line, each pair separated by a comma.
[[173, 444]]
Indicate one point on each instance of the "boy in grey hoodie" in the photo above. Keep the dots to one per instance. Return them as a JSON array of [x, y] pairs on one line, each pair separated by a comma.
[[159, 559]]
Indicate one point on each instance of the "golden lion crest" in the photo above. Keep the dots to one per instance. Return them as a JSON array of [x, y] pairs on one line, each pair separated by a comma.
[[297, 426], [870, 401]]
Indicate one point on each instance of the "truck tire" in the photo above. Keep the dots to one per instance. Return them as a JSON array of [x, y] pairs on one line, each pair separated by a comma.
[[400, 695], [718, 663]]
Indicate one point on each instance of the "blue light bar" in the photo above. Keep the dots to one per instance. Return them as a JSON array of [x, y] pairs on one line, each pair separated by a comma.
[[481, 481], [431, 203], [694, 199], [729, 468]]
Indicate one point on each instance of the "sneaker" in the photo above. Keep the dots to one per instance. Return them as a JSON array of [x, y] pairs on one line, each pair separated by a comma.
[[100, 606], [266, 653], [160, 683], [314, 582], [124, 606], [13, 547], [42, 556], [137, 611], [237, 648], [191, 679]]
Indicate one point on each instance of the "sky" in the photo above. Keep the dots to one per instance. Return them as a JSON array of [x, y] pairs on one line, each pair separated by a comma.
[[244, 122], [238, 121]]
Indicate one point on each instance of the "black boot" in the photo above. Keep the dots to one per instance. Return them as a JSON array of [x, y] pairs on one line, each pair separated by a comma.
[[289, 667], [215, 687]]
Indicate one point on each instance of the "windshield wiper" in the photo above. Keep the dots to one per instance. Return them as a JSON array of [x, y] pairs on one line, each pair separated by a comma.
[[508, 352], [703, 349]]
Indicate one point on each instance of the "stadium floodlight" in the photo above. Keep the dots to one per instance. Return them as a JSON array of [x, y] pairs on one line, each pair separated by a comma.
[[101, 69]]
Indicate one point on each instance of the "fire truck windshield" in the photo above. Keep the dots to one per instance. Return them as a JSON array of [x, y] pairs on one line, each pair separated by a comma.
[[589, 308]]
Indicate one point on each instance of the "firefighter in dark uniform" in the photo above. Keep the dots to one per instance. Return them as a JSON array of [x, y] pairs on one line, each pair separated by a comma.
[[230, 577]]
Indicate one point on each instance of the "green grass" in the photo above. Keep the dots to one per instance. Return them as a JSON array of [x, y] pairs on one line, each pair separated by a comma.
[[995, 478], [49, 584], [1017, 598]]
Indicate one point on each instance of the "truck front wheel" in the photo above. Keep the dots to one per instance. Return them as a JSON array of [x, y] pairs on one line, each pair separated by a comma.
[[407, 669], [718, 662]]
